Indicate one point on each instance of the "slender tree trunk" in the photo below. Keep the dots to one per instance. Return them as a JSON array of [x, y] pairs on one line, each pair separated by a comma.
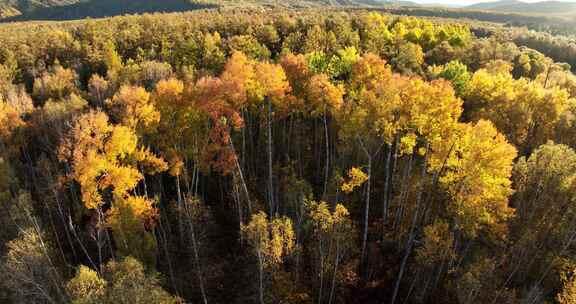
[[270, 160], [196, 256], [54, 275], [261, 277], [403, 193], [336, 262], [412, 285], [321, 251], [164, 241], [239, 169], [412, 231], [327, 162], [180, 200], [299, 220], [64, 224], [369, 156], [238, 201], [366, 211], [99, 237], [386, 188]]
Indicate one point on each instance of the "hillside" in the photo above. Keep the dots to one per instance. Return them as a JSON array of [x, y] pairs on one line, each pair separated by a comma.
[[388, 3], [7, 11], [17, 7], [14, 10], [514, 6], [21, 10], [493, 5], [105, 8], [9, 8]]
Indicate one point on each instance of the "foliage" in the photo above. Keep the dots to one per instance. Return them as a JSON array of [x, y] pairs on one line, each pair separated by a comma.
[[356, 178], [479, 192], [145, 147], [121, 282], [29, 271], [272, 240]]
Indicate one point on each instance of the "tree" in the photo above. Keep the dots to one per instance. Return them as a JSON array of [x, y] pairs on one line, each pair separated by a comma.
[[333, 233], [522, 110], [530, 63], [112, 60], [181, 130], [132, 221], [10, 120], [273, 89], [457, 73], [121, 282], [387, 108], [360, 119], [340, 65], [272, 240], [196, 213], [131, 106], [482, 51], [434, 257], [409, 59], [374, 33], [145, 74], [211, 55], [475, 173], [321, 40], [103, 158], [208, 96], [478, 282], [248, 45], [543, 228], [477, 179], [326, 99], [29, 271], [298, 74], [57, 84], [99, 89], [87, 287]]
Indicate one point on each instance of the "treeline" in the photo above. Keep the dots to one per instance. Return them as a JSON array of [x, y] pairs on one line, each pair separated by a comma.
[[283, 157], [554, 24], [560, 48]]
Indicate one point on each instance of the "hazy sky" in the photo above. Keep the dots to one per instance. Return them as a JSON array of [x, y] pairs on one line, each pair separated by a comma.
[[467, 2]]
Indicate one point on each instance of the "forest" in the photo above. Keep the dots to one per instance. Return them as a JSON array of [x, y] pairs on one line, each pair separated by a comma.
[[293, 156], [550, 22]]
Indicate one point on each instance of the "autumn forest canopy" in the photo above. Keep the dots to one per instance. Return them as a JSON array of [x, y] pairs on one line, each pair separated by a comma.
[[286, 156]]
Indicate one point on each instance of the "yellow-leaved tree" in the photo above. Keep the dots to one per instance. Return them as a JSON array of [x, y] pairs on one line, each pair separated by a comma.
[[271, 240], [132, 107], [120, 282], [477, 179], [523, 110], [104, 161], [333, 233]]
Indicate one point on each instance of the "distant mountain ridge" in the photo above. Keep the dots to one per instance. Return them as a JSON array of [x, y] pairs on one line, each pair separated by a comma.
[[515, 6], [22, 10], [80, 9], [389, 2], [494, 4]]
